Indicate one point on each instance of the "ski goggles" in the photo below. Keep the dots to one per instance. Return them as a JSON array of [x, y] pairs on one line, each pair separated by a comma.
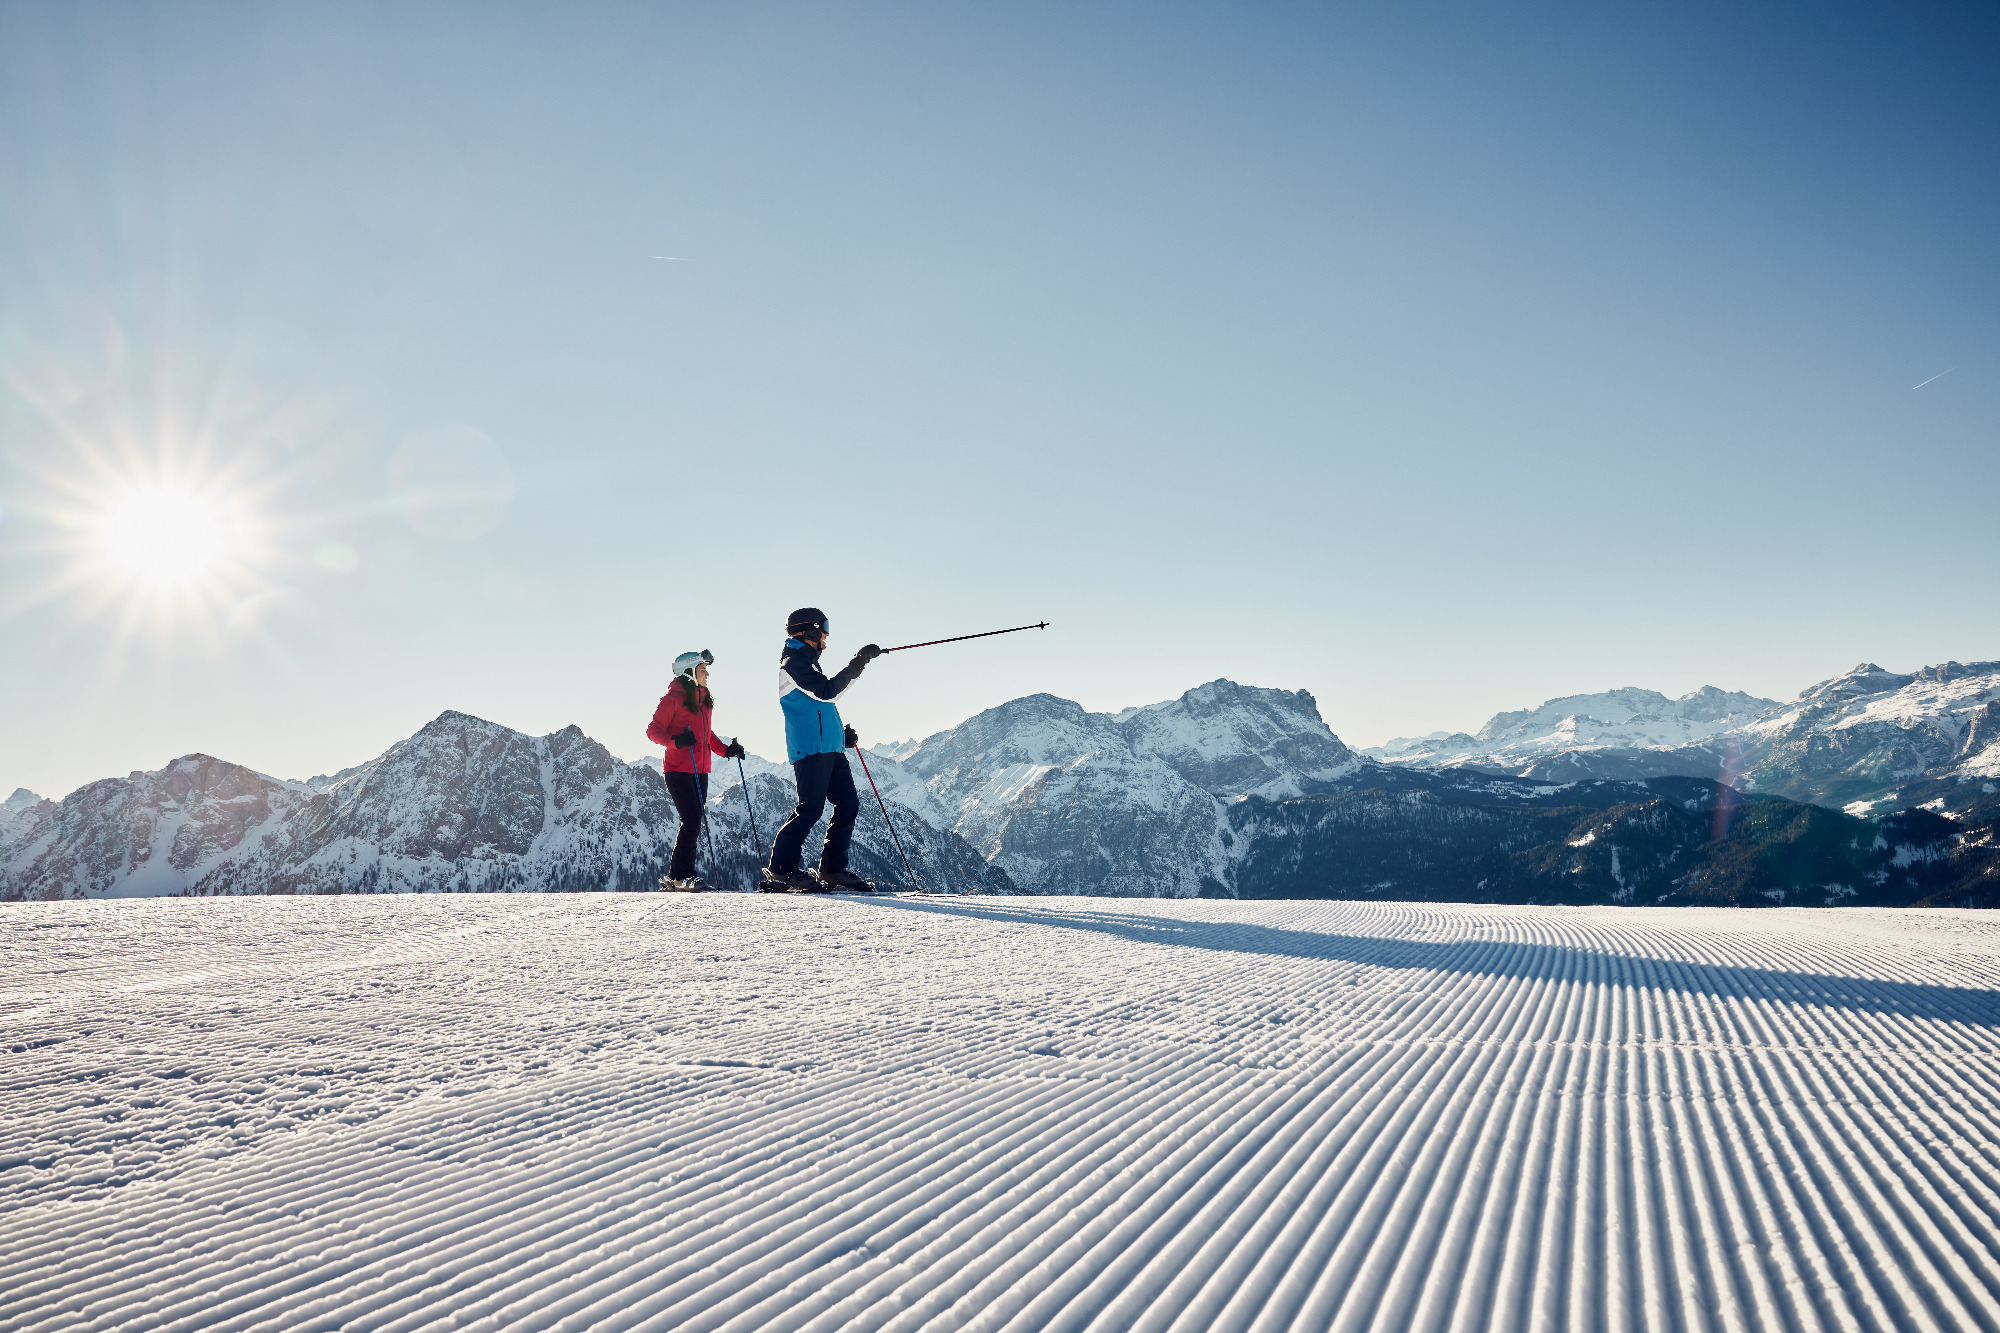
[[811, 627]]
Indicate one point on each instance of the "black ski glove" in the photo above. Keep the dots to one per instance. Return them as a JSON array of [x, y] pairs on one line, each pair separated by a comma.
[[685, 741], [869, 652], [853, 741], [735, 750]]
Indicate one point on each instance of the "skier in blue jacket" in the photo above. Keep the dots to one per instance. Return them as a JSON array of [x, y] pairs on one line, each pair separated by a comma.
[[816, 742]]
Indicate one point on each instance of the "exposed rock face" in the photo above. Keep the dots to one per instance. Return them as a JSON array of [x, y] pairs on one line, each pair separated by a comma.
[[1858, 739], [1238, 740], [467, 805], [149, 833], [1057, 797], [1068, 801]]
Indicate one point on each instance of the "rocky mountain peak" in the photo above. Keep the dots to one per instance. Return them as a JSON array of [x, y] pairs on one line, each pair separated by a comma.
[[1951, 671], [204, 776], [1710, 704], [1037, 729], [1232, 740], [451, 722], [1630, 710], [1865, 678], [1607, 706]]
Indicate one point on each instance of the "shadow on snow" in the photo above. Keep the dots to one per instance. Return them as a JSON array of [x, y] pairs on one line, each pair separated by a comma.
[[1512, 958]]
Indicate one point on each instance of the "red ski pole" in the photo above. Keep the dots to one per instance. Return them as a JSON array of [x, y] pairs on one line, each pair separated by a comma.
[[885, 818]]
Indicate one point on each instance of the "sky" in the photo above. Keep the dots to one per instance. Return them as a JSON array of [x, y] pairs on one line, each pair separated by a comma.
[[1435, 359]]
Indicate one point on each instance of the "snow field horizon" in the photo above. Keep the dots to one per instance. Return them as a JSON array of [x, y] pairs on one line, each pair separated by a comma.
[[718, 1113]]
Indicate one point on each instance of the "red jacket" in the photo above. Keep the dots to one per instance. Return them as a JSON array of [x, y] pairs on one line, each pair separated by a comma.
[[674, 717]]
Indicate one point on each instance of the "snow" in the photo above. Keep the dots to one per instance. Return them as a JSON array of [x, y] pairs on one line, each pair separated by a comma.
[[1885, 728], [1984, 764], [1907, 703], [605, 1112], [1628, 718]]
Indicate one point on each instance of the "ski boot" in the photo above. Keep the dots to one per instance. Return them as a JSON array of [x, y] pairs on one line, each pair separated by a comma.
[[692, 884], [787, 881], [844, 881]]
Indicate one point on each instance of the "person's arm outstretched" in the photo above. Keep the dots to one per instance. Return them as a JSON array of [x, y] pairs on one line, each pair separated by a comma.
[[804, 670]]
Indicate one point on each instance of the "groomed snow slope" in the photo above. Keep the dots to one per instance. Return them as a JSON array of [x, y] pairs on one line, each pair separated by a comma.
[[610, 1112]]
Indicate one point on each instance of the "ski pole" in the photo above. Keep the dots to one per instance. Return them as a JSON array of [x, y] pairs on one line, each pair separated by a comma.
[[885, 817], [708, 835], [756, 842], [963, 637]]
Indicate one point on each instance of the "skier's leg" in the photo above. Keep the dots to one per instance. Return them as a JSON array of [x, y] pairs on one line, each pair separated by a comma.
[[687, 804], [811, 774], [846, 805]]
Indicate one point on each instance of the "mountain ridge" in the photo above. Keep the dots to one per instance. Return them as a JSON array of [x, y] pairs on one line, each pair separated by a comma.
[[1228, 790], [1868, 740]]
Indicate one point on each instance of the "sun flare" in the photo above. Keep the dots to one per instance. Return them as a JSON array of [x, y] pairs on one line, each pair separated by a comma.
[[168, 538], [172, 554]]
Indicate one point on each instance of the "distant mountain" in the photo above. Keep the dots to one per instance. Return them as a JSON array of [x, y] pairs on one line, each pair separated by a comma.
[[1133, 804], [1874, 740], [464, 805], [1233, 790], [1628, 734], [1869, 741], [1229, 790]]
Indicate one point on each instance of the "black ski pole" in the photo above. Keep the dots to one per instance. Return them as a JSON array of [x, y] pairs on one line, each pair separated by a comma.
[[963, 637], [886, 820], [708, 835], [756, 841]]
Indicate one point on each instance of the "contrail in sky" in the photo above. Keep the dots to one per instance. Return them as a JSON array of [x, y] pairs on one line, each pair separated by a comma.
[[676, 258], [1940, 375]]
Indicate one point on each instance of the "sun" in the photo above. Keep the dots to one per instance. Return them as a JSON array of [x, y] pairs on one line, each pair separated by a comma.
[[174, 554], [167, 538], [166, 524]]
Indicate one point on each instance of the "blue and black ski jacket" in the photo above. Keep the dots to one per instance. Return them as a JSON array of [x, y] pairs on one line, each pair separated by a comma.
[[812, 723]]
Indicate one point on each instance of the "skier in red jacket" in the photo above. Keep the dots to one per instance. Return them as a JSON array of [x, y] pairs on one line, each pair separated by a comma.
[[685, 723]]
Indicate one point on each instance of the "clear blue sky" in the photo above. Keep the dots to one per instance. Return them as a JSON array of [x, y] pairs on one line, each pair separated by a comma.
[[1436, 359]]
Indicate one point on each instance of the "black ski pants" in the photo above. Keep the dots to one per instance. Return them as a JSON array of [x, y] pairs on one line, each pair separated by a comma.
[[689, 791], [821, 778]]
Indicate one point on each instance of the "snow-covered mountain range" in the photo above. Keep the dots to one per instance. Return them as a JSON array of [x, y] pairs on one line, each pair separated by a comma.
[[1134, 803], [1586, 735], [1229, 790], [464, 805], [1870, 741]]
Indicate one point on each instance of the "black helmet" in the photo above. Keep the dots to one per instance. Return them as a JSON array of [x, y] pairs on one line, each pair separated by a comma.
[[810, 619]]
